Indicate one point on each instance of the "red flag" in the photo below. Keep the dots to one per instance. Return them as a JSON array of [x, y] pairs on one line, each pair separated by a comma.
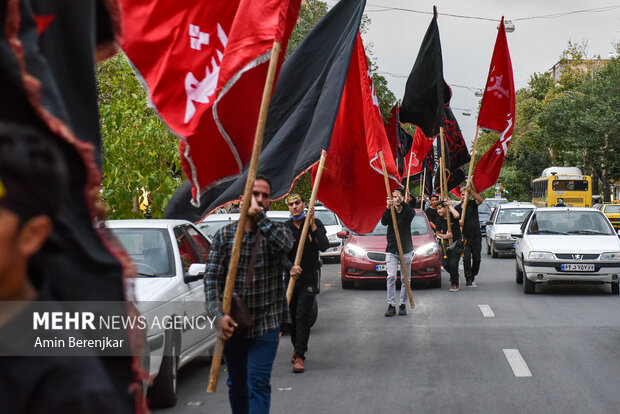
[[205, 64], [497, 112], [352, 184], [420, 147], [456, 191]]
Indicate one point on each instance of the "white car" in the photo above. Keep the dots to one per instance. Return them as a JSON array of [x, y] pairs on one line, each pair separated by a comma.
[[505, 220], [333, 225], [567, 244], [170, 258]]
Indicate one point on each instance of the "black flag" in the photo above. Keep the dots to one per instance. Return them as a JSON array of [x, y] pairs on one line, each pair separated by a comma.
[[301, 115], [426, 93], [47, 81]]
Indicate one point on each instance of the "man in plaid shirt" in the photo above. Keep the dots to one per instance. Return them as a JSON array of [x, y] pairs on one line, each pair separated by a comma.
[[250, 357]]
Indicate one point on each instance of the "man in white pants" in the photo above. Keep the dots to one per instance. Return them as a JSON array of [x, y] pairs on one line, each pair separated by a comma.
[[404, 216]]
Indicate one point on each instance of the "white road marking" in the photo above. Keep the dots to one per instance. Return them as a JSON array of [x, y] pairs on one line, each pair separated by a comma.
[[486, 310], [517, 363]]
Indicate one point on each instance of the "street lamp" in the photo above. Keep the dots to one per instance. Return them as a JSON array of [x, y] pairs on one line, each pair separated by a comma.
[[508, 26]]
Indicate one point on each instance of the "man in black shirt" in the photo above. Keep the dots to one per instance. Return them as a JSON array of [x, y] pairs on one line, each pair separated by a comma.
[[306, 275], [404, 216], [431, 211], [451, 252], [472, 238]]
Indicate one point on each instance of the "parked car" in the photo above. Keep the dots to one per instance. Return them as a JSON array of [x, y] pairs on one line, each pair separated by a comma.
[[485, 209], [333, 225], [612, 211], [505, 220], [170, 258], [567, 244], [363, 255]]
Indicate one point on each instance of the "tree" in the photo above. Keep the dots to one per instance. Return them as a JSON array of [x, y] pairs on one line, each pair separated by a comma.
[[139, 151]]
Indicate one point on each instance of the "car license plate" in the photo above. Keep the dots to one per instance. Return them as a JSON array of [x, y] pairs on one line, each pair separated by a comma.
[[577, 267], [383, 268]]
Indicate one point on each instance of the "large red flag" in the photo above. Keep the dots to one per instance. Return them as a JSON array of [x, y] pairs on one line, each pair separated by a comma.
[[497, 112], [205, 65], [352, 184]]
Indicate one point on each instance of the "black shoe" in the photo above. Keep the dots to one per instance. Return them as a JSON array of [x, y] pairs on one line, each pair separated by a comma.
[[402, 309], [391, 311], [468, 282]]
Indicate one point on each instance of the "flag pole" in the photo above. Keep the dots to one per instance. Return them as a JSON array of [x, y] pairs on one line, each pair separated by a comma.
[[423, 184], [444, 188], [409, 171], [404, 273], [247, 197], [304, 231], [471, 169]]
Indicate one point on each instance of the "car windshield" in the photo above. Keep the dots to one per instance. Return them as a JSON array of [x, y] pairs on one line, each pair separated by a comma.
[[612, 209], [150, 250], [327, 217], [569, 222], [209, 228], [487, 206], [419, 226], [512, 215]]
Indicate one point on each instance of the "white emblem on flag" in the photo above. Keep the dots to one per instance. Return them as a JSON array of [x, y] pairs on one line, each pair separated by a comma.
[[495, 85], [375, 101], [200, 91]]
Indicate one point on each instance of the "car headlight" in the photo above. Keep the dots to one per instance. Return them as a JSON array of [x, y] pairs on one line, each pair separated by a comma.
[[426, 250], [503, 236], [541, 255], [354, 250], [610, 256]]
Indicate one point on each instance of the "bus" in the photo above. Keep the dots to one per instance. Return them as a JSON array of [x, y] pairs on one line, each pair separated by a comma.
[[567, 183]]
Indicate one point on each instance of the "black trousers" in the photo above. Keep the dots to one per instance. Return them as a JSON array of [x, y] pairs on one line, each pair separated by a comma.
[[301, 305], [450, 260], [471, 257]]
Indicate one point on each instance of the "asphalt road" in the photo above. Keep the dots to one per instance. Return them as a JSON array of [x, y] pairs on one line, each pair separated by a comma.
[[553, 352]]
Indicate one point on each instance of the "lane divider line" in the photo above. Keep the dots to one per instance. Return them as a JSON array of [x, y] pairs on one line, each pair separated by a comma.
[[486, 310], [517, 363]]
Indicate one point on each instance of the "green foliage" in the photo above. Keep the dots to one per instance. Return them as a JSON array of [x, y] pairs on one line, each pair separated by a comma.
[[139, 151]]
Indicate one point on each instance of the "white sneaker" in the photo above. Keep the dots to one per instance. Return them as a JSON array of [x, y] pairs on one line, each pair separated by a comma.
[[454, 288], [473, 284]]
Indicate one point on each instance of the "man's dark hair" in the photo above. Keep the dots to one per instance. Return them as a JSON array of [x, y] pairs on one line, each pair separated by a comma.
[[264, 178], [434, 196], [400, 190], [32, 171]]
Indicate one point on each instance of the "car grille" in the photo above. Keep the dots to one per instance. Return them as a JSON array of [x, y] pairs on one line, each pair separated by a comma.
[[571, 256], [376, 256]]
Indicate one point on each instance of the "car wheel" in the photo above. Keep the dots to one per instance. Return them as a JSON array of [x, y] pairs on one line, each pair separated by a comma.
[[163, 393], [346, 284], [493, 252], [518, 273], [615, 288], [529, 287], [314, 314], [488, 246]]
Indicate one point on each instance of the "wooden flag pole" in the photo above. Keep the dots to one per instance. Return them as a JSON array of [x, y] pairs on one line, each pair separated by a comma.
[[304, 231], [471, 168], [423, 186], [409, 171], [444, 188], [247, 197], [404, 273]]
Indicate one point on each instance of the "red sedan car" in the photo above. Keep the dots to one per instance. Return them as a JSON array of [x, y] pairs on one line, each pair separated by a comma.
[[363, 255]]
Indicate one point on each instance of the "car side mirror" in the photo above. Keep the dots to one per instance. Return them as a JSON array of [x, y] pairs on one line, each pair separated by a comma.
[[342, 234], [517, 235], [195, 272]]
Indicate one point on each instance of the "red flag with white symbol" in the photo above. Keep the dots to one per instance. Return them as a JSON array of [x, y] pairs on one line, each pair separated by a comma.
[[497, 112], [204, 65], [420, 147], [352, 185]]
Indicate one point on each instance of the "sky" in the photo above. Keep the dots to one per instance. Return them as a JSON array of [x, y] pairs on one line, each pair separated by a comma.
[[467, 44]]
